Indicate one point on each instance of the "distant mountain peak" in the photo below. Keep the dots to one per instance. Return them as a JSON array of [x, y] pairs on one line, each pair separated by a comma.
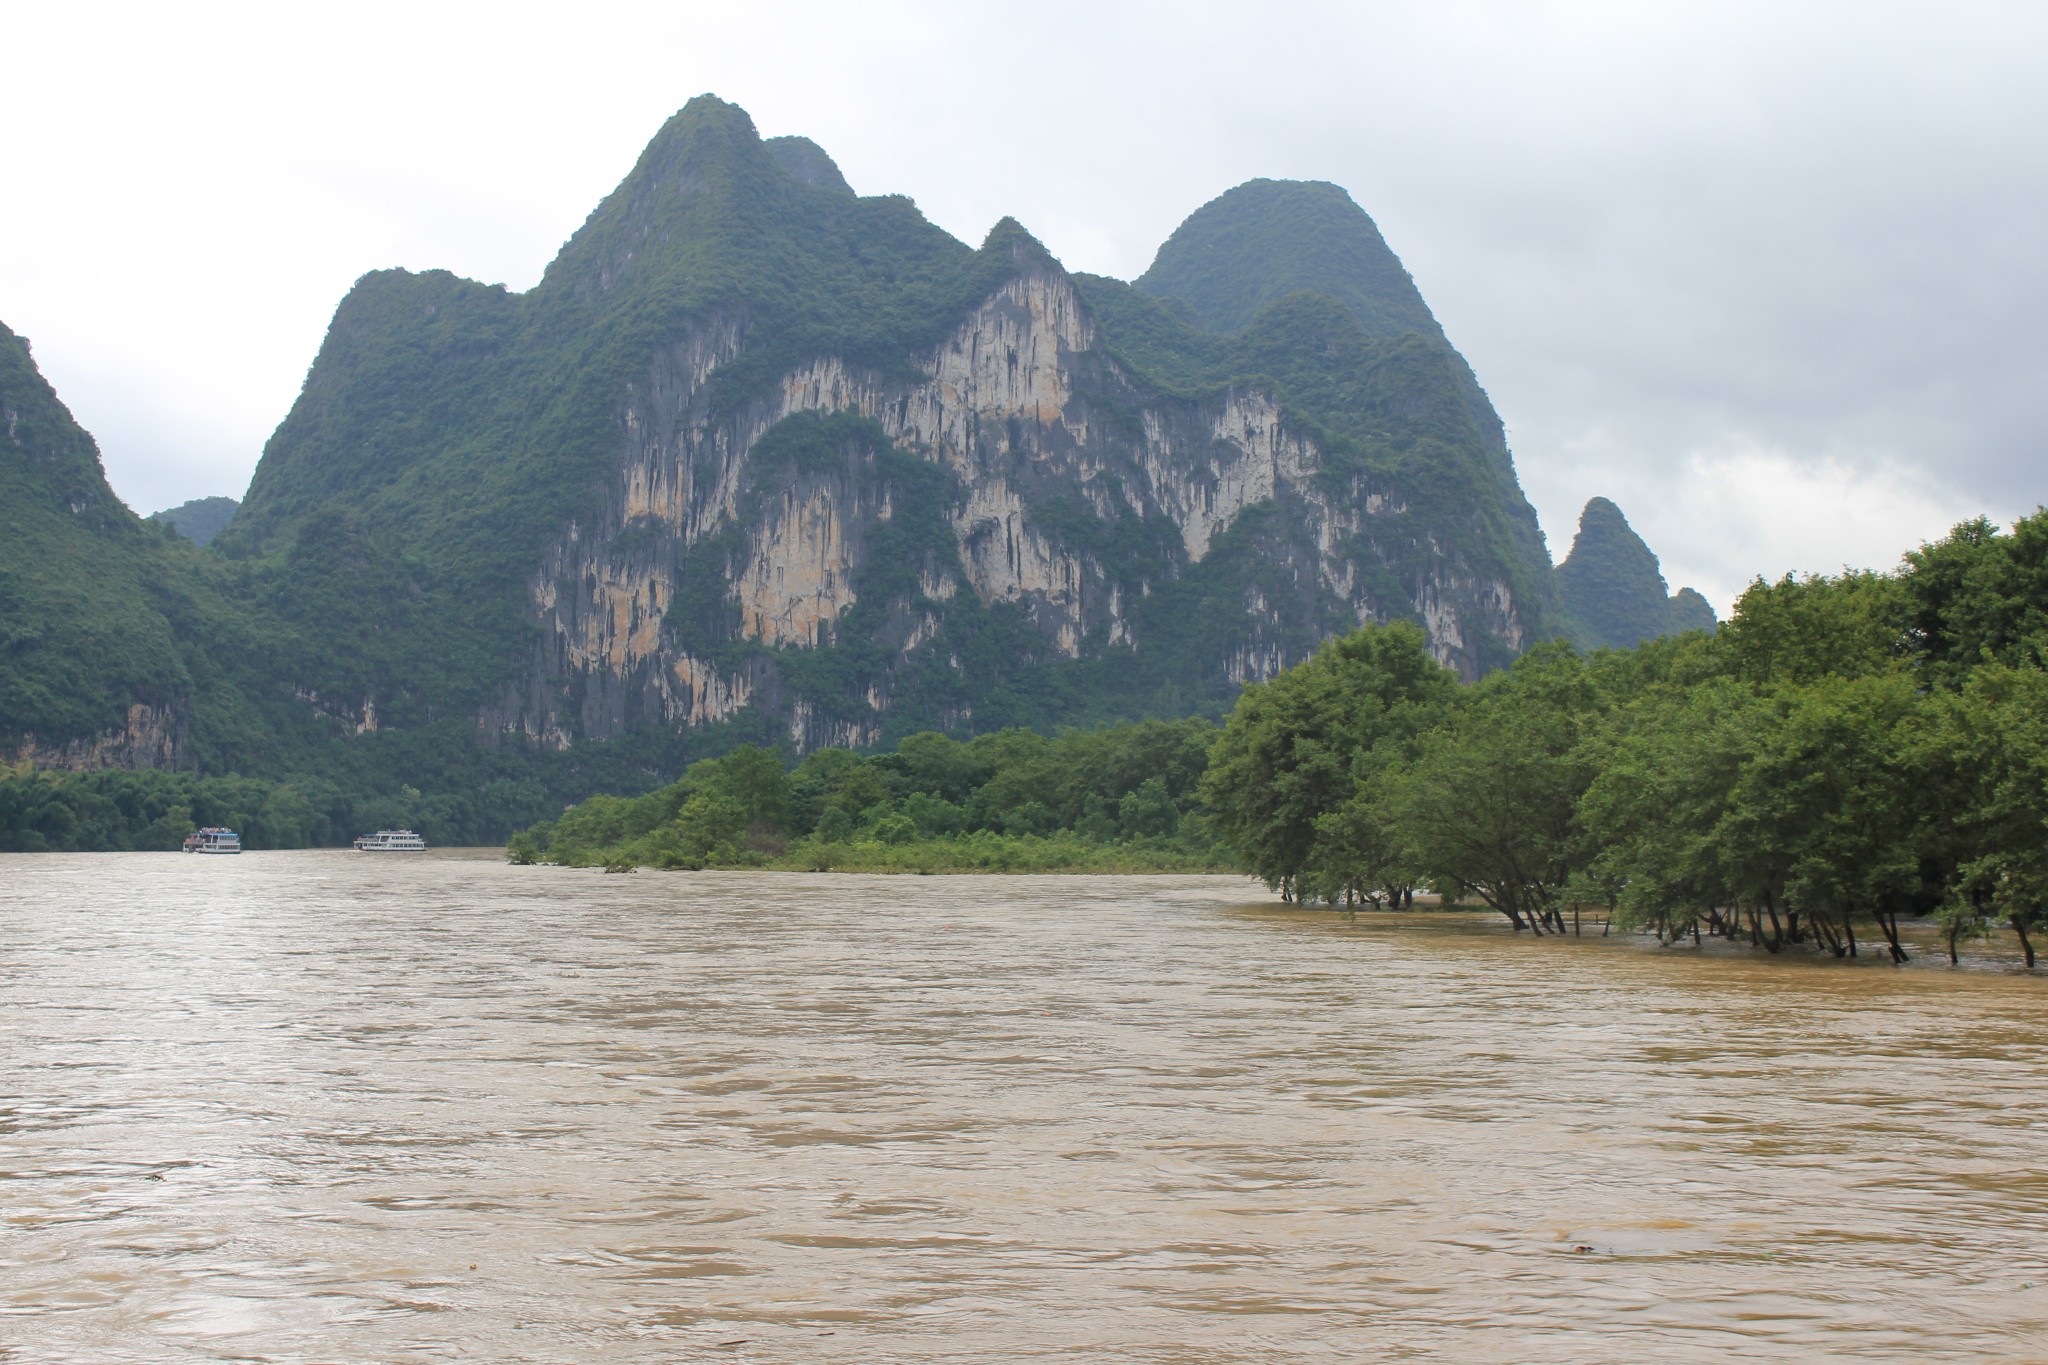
[[199, 520], [704, 126], [1613, 585], [1266, 239], [1011, 237], [43, 446], [690, 186]]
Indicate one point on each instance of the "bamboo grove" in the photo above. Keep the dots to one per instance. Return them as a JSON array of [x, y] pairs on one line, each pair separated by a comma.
[[1846, 751]]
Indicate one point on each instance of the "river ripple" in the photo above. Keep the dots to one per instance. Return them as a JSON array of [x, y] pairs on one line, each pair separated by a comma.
[[326, 1106]]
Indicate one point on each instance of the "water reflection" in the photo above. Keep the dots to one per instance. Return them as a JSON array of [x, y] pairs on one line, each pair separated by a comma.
[[319, 1106]]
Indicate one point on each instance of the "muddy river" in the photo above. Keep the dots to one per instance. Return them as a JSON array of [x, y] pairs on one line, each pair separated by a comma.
[[329, 1106]]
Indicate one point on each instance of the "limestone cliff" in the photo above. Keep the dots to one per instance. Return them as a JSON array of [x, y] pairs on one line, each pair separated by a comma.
[[146, 737]]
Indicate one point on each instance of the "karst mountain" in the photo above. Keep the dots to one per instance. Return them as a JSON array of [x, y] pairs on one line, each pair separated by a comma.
[[763, 459]]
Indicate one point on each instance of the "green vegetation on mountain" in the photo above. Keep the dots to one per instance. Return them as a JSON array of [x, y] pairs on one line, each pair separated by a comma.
[[199, 520], [1843, 752], [1288, 285], [124, 646], [1269, 241], [150, 810], [100, 612], [1613, 587], [1401, 411]]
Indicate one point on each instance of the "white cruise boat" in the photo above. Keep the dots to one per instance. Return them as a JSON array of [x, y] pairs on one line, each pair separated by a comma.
[[391, 841], [213, 839]]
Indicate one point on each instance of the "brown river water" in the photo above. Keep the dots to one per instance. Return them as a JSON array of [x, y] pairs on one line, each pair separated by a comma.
[[329, 1106]]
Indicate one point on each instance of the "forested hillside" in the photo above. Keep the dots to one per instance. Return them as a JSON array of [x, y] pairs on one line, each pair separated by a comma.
[[111, 628]]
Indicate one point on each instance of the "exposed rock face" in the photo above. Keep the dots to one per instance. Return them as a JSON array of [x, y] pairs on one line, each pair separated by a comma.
[[1018, 410], [154, 737]]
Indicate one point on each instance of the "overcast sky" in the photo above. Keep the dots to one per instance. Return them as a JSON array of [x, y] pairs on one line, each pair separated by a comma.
[[1773, 277]]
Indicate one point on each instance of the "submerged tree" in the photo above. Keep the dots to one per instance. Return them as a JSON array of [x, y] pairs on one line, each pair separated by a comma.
[[1655, 816], [1994, 742], [1288, 756], [1489, 808]]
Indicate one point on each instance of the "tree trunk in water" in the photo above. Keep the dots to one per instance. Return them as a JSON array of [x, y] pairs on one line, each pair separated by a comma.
[[1849, 928], [1777, 938], [2026, 944], [1953, 929], [1824, 930], [1890, 924]]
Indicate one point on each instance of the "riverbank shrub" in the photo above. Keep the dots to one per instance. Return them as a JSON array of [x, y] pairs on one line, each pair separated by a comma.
[[1123, 798]]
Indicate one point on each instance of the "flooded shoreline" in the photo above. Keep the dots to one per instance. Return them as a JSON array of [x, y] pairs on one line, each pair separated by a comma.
[[306, 1106]]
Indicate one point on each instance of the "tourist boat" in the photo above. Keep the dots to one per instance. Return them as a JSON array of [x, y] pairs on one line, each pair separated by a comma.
[[213, 839], [391, 841]]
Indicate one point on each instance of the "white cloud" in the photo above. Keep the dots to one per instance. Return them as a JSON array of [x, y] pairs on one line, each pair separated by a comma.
[[1725, 517]]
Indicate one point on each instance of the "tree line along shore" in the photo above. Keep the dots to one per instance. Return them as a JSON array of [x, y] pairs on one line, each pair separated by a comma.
[[1846, 752]]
